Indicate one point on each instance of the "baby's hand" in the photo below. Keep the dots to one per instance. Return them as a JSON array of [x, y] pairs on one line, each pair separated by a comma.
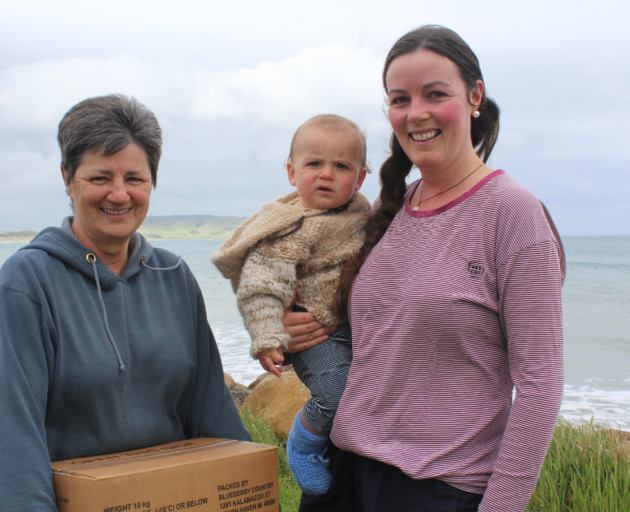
[[270, 358]]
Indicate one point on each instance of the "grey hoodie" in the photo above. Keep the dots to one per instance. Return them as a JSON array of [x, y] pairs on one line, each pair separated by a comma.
[[69, 388]]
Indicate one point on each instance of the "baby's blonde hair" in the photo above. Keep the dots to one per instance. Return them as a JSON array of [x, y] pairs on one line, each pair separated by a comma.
[[333, 123]]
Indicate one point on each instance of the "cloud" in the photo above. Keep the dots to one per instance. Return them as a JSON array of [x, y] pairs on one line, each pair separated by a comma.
[[31, 189], [228, 117], [334, 77], [33, 98], [235, 118]]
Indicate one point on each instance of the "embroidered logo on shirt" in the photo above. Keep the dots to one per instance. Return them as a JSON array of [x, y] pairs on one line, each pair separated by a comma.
[[475, 268]]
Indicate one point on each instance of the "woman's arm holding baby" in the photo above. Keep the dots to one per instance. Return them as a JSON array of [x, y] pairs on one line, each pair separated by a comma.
[[305, 331]]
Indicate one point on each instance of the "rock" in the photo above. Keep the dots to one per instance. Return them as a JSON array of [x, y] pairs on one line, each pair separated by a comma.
[[240, 394], [259, 380], [239, 391], [229, 380], [278, 399], [263, 376]]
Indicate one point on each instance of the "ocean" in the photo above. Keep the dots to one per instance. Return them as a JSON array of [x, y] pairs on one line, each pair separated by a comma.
[[596, 299]]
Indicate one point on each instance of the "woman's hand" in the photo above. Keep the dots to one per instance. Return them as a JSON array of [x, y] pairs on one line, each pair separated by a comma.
[[305, 331]]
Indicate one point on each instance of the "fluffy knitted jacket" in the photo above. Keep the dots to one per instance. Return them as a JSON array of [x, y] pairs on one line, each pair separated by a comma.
[[308, 261]]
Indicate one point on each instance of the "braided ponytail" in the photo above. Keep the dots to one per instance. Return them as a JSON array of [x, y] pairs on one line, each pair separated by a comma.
[[393, 173]]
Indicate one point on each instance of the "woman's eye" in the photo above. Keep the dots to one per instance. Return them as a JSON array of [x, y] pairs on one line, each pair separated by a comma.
[[437, 94], [398, 100]]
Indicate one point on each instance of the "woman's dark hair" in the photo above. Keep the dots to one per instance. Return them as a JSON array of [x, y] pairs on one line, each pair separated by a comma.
[[484, 131], [108, 123]]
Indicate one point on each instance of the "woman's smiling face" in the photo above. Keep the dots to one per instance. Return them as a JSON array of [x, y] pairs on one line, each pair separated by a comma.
[[429, 109], [110, 195]]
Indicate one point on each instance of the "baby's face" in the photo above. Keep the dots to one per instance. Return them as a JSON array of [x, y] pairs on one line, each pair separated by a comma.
[[326, 167]]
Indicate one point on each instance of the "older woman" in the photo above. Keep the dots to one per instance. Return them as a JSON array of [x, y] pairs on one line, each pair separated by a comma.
[[104, 341], [457, 302]]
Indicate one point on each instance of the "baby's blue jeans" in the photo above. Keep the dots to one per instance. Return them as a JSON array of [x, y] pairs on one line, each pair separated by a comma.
[[324, 369]]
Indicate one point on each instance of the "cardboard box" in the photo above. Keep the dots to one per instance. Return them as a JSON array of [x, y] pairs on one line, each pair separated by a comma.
[[197, 475]]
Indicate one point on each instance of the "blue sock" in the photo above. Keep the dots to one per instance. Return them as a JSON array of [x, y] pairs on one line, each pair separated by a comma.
[[306, 454]]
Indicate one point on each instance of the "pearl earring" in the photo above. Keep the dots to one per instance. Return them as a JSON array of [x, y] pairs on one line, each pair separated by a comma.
[[476, 113]]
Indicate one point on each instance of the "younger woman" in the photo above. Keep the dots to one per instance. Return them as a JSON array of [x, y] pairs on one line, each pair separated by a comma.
[[457, 303]]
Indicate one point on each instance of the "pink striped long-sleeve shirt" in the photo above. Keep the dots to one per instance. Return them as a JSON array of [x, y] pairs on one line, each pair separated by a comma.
[[453, 309]]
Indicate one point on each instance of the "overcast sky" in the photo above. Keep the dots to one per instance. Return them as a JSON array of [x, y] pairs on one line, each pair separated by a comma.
[[231, 81]]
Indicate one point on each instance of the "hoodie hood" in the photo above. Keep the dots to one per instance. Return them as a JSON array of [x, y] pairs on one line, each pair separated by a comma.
[[62, 244]]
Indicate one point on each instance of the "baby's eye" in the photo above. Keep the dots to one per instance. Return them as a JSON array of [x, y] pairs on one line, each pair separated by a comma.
[[341, 166], [312, 164]]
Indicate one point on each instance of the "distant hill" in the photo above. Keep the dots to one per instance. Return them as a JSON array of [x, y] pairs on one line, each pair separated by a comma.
[[189, 226], [186, 227], [18, 236]]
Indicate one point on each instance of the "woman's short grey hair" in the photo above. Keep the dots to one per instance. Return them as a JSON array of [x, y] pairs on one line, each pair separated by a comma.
[[108, 124]]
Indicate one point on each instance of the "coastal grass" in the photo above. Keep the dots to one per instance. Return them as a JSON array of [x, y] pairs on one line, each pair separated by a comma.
[[261, 432], [587, 468]]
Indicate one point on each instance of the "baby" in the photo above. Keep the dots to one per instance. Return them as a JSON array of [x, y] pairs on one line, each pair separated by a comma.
[[297, 245]]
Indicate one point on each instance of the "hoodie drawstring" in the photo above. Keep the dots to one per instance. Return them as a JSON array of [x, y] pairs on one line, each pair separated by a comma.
[[143, 264], [91, 258]]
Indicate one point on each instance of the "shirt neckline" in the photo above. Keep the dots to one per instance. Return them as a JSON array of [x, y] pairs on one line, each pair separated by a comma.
[[451, 204]]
